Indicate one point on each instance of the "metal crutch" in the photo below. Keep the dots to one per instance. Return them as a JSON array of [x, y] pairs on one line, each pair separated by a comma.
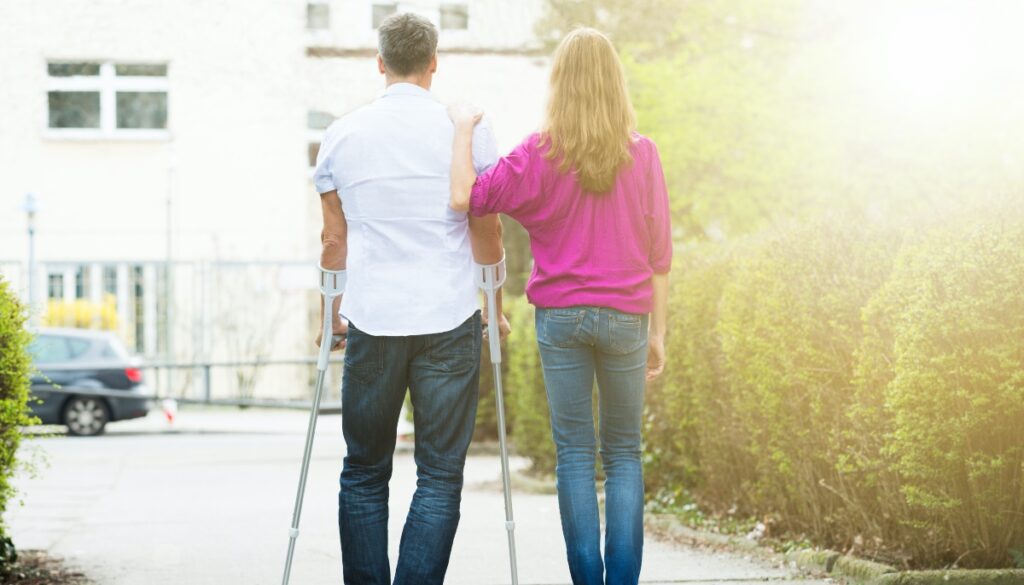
[[332, 285], [490, 277]]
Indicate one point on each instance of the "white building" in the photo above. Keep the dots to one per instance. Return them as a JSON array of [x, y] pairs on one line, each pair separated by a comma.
[[179, 134]]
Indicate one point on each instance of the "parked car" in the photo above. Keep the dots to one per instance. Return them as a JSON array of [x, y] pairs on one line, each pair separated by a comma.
[[85, 380]]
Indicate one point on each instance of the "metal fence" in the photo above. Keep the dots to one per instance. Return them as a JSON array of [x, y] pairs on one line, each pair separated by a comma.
[[214, 332], [203, 392]]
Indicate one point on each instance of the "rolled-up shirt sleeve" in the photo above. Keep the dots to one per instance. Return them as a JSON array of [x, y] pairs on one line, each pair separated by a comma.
[[323, 177], [659, 219], [485, 149], [510, 185]]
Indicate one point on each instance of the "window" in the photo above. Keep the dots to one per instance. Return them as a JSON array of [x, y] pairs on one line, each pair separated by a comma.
[[138, 291], [107, 99], [454, 17], [316, 123], [82, 274], [318, 15], [55, 286], [48, 349], [74, 109], [110, 280], [382, 11]]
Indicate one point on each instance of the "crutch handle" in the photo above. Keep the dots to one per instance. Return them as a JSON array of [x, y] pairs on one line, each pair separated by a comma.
[[332, 285], [490, 278]]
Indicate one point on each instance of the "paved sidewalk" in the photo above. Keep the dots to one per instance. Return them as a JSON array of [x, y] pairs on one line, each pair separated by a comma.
[[208, 501]]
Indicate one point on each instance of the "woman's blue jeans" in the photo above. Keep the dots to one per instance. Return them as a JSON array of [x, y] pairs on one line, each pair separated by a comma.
[[577, 345]]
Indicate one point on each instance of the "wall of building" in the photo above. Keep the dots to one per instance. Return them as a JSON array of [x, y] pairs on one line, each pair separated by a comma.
[[493, 25], [229, 163], [229, 180]]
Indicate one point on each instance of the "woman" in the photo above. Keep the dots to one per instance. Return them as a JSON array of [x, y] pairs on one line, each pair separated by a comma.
[[591, 193]]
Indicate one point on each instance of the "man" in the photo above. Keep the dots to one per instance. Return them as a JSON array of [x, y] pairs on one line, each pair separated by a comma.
[[410, 305]]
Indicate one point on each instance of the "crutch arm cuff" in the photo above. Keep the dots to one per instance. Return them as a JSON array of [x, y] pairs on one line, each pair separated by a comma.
[[490, 276], [332, 282]]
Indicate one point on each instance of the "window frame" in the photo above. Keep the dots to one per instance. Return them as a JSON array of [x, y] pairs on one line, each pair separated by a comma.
[[449, 6], [395, 8], [321, 3], [315, 134], [107, 84]]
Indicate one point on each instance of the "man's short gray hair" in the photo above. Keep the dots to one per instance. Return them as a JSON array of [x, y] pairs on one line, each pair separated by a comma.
[[407, 42]]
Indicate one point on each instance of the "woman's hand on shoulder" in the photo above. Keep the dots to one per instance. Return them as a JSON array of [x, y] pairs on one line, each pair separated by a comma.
[[465, 115]]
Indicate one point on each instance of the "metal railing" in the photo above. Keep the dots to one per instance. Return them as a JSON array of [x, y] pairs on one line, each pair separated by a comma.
[[206, 395]]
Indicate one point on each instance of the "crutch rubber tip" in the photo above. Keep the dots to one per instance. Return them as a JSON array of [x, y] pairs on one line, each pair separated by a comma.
[[293, 532]]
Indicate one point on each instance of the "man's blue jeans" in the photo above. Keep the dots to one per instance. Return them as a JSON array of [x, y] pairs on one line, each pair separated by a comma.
[[441, 372], [577, 345]]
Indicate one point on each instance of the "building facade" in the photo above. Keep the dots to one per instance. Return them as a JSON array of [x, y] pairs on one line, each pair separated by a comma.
[[169, 147]]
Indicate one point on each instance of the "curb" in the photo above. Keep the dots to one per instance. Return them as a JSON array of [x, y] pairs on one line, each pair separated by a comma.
[[843, 568], [668, 525], [851, 569], [958, 577]]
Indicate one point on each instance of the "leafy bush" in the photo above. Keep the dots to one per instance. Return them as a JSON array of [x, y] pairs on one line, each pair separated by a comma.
[[943, 369], [691, 390], [527, 400], [14, 388], [859, 386], [790, 324]]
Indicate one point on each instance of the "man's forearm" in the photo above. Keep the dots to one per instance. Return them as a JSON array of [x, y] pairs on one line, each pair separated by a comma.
[[485, 236], [334, 242], [333, 257]]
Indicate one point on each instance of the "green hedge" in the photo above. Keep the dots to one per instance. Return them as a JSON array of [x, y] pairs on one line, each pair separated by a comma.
[[527, 400], [526, 406], [856, 385], [14, 387], [942, 381]]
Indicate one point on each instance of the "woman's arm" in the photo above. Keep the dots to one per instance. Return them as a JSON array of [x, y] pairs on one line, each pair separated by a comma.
[[659, 323], [463, 173]]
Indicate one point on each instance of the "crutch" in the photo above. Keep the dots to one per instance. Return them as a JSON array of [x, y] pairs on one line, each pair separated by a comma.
[[490, 277], [332, 284]]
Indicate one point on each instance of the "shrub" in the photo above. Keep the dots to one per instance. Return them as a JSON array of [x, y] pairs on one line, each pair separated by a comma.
[[860, 387], [681, 450], [486, 414], [790, 324], [943, 370], [14, 388], [527, 400]]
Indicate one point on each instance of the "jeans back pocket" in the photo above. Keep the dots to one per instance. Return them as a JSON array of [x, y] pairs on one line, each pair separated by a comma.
[[560, 327], [626, 332]]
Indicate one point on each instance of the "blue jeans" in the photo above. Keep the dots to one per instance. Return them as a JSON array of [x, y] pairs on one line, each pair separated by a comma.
[[578, 344], [441, 372]]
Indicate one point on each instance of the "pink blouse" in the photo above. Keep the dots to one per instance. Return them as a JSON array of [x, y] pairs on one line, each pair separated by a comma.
[[597, 250]]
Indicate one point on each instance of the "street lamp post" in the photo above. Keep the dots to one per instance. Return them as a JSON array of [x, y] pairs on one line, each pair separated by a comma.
[[30, 207]]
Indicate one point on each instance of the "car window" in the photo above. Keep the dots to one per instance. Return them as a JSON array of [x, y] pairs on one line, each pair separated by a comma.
[[77, 347], [113, 350], [49, 348]]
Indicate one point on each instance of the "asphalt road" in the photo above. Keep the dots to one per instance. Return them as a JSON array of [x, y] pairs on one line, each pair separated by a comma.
[[208, 500]]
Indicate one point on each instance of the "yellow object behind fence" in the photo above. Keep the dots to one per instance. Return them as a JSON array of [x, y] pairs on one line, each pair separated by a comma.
[[82, 314]]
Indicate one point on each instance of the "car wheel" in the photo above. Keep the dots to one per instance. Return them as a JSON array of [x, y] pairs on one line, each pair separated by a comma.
[[85, 416]]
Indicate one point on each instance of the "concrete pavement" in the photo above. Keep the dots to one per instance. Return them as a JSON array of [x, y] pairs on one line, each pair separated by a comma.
[[208, 501]]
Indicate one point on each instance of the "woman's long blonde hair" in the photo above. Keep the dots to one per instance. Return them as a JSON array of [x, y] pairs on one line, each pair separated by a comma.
[[590, 119]]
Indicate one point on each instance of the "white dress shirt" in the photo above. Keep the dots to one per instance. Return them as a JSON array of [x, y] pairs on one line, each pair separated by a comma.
[[410, 267]]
